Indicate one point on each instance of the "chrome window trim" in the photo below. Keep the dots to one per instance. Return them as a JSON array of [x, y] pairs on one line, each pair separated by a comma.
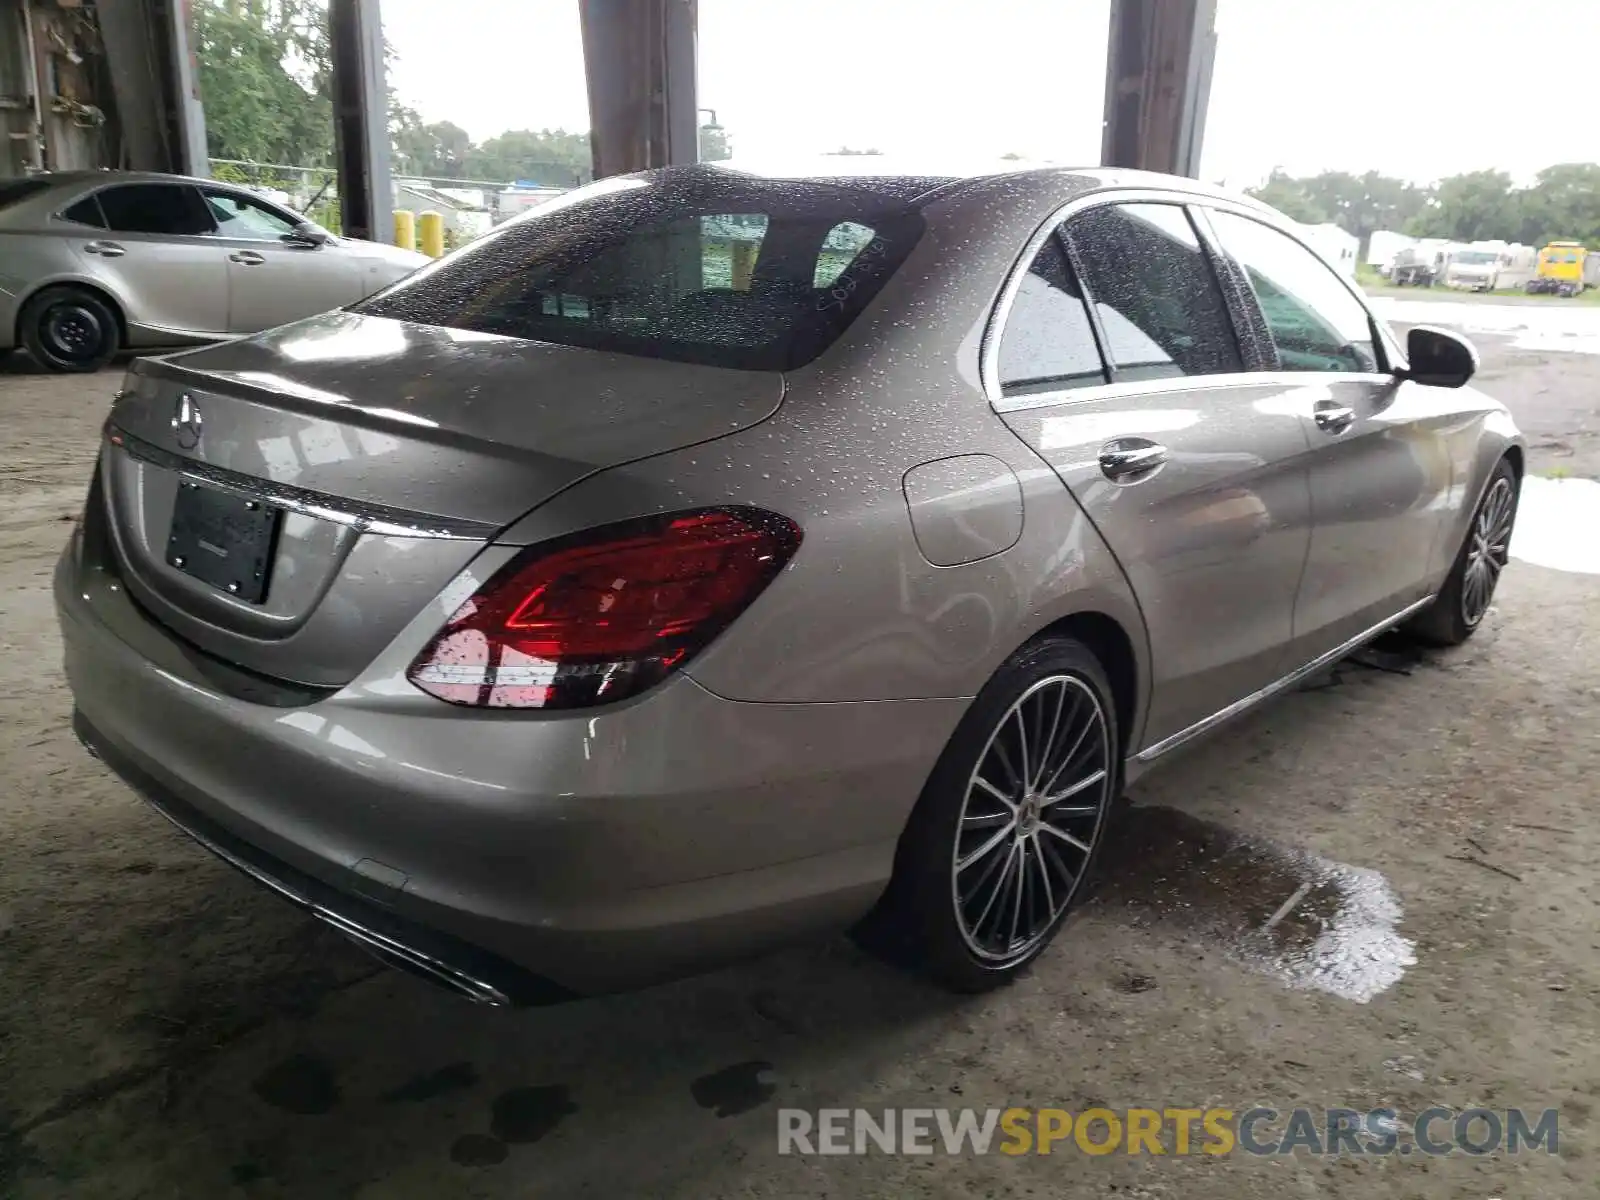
[[362, 517], [989, 351], [1185, 383]]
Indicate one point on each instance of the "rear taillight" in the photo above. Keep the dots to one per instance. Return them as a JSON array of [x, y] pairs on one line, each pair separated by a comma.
[[599, 617]]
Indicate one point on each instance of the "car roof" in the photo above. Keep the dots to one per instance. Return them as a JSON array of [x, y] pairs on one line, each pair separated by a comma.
[[82, 178], [1044, 183]]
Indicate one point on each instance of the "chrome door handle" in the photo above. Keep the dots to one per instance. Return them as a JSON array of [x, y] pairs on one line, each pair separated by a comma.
[[104, 249], [1127, 457], [1333, 418], [248, 257]]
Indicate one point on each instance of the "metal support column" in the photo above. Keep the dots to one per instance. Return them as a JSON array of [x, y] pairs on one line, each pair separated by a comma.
[[640, 59], [155, 81], [1158, 84], [361, 120]]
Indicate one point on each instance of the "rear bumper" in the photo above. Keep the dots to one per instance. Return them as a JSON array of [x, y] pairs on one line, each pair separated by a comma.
[[536, 855], [481, 977]]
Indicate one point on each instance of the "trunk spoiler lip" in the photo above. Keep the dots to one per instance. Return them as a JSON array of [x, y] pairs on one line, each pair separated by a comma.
[[361, 515], [292, 396]]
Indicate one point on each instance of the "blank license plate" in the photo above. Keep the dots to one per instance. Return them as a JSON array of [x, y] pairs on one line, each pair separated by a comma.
[[223, 539]]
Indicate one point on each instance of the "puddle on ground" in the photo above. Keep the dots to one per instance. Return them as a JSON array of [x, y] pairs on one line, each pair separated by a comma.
[[1307, 921], [1538, 326], [1558, 524]]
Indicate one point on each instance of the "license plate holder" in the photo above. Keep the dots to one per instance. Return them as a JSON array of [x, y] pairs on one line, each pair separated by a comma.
[[223, 539]]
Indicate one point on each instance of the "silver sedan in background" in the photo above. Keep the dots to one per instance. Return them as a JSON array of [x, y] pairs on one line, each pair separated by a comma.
[[706, 559], [95, 262]]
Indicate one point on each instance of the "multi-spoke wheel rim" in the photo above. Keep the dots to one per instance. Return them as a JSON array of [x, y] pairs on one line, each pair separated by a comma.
[[1488, 548], [1031, 817]]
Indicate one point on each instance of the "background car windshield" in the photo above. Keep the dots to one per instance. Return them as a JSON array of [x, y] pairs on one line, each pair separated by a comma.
[[702, 267]]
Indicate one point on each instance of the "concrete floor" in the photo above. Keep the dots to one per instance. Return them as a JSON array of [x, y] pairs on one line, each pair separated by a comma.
[[168, 1030]]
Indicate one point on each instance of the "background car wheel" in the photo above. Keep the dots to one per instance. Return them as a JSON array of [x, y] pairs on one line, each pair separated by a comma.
[[1008, 827], [1464, 600], [69, 329]]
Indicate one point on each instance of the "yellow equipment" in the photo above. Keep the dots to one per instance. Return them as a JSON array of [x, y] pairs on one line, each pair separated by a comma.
[[430, 232], [1560, 269], [405, 229]]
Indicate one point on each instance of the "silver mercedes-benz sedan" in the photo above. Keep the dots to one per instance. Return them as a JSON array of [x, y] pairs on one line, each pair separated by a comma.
[[705, 560], [94, 262]]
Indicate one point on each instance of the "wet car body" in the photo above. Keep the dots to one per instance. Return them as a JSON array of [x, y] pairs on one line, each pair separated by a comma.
[[945, 521]]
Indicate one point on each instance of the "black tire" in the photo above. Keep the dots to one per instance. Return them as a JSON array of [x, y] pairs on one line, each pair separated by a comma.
[[923, 921], [1461, 604], [69, 329]]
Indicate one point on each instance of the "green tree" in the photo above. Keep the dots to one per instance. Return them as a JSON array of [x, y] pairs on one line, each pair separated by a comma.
[[1475, 206], [265, 75], [1288, 195], [439, 150], [1563, 203], [1359, 204], [553, 157]]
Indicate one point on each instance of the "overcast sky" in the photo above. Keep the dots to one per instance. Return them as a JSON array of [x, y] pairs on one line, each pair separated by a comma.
[[1417, 88]]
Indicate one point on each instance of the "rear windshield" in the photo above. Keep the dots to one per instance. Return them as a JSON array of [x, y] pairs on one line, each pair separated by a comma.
[[15, 191], [698, 266]]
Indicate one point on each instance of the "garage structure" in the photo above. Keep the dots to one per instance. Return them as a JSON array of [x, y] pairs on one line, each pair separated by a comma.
[[112, 83]]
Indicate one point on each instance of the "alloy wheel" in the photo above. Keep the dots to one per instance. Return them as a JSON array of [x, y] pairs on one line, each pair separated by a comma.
[[1032, 814], [1487, 550]]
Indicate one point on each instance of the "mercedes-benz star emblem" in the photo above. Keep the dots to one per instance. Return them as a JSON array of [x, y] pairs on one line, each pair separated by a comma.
[[186, 422]]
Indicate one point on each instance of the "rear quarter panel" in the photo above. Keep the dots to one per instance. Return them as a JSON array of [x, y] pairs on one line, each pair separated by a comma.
[[30, 261], [860, 614]]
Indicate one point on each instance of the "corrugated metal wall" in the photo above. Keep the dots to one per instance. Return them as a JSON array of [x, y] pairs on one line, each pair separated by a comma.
[[52, 47], [16, 101]]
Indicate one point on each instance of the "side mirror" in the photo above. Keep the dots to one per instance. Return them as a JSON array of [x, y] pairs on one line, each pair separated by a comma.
[[1438, 358], [306, 237]]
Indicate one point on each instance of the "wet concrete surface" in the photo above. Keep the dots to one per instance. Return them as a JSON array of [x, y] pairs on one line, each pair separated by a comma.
[[1378, 891], [1297, 918]]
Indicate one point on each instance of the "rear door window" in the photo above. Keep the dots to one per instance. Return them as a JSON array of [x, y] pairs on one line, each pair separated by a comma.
[[1315, 322], [86, 212], [1048, 341], [709, 268], [1154, 292], [173, 209]]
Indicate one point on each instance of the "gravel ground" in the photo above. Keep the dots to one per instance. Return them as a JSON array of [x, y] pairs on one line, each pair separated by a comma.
[[168, 1030]]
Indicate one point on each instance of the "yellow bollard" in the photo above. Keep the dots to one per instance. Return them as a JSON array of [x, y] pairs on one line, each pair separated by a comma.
[[405, 229], [430, 233]]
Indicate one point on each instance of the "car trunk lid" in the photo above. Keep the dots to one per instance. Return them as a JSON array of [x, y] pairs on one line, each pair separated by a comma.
[[381, 456]]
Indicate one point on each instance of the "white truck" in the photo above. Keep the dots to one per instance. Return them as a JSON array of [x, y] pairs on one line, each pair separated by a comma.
[[1382, 247], [1336, 247], [1489, 265]]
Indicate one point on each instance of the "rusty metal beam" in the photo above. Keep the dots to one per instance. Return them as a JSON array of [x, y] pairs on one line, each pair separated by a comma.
[[155, 82], [1158, 84], [640, 61]]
